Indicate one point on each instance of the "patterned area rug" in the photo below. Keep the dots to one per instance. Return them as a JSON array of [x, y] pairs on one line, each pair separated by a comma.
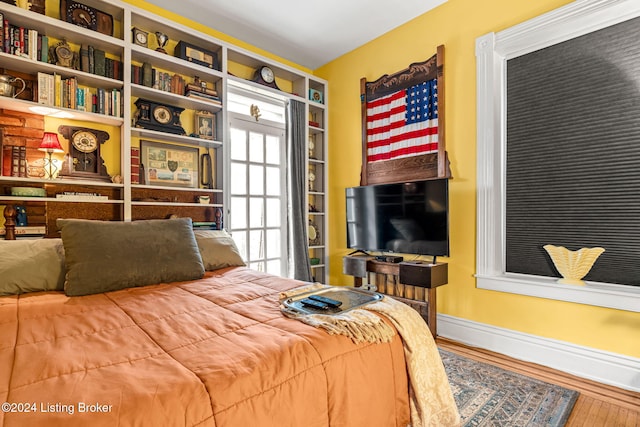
[[490, 396]]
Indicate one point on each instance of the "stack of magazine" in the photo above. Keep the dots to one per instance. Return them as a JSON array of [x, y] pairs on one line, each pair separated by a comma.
[[204, 225], [202, 93]]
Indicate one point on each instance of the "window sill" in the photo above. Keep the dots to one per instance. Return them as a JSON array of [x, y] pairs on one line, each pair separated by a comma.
[[620, 297]]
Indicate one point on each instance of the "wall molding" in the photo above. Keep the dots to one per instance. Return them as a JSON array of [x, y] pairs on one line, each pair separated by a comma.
[[605, 367]]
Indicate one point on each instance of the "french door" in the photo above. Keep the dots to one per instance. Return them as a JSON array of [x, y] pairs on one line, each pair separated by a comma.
[[258, 197]]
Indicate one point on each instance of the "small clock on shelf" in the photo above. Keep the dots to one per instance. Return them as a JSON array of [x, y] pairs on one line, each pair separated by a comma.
[[84, 160], [62, 55], [314, 234], [141, 38], [265, 76], [155, 116]]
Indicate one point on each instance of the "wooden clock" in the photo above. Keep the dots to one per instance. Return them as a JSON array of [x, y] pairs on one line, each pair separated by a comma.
[[86, 16], [265, 76], [155, 116], [83, 161]]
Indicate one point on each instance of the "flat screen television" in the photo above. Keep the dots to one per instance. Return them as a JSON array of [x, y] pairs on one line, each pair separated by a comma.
[[410, 217]]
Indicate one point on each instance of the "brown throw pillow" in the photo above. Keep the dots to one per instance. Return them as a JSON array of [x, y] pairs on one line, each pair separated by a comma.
[[104, 256]]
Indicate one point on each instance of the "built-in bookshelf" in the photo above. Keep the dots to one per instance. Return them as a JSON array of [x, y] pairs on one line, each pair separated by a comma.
[[143, 89]]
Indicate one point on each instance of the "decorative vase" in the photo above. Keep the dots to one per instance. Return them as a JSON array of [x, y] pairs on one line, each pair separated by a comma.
[[573, 265]]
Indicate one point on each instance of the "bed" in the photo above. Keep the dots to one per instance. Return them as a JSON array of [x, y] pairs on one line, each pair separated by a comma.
[[209, 350]]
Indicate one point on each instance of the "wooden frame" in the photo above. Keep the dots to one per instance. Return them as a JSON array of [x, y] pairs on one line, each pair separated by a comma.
[[169, 165], [432, 165], [205, 125]]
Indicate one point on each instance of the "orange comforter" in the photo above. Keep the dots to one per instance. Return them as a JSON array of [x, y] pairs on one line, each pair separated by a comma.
[[212, 352]]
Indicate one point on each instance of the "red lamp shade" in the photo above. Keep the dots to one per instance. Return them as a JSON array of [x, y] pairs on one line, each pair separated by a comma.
[[50, 143]]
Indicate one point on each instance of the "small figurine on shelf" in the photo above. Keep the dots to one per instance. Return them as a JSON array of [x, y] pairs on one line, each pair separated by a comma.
[[162, 41], [21, 216]]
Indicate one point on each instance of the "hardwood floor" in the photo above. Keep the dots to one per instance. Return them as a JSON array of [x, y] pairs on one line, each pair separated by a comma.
[[598, 404]]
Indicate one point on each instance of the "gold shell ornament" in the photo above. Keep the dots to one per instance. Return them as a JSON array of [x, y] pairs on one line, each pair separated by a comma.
[[573, 265]]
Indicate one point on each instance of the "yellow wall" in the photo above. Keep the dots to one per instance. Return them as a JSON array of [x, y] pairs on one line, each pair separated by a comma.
[[456, 24]]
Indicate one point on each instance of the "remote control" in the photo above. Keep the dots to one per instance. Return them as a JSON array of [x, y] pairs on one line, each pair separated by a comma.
[[314, 304], [330, 302]]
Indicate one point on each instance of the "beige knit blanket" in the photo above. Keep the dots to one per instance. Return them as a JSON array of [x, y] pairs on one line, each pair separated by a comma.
[[431, 398]]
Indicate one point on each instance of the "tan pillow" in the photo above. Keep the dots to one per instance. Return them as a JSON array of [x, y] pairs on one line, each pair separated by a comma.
[[218, 250], [104, 256], [31, 266]]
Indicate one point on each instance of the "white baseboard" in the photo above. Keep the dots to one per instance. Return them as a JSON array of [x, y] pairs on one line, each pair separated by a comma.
[[597, 365]]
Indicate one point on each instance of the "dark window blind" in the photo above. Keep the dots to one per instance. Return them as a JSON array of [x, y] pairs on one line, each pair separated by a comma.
[[573, 154]]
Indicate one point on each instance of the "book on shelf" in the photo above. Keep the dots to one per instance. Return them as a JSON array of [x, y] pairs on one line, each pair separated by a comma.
[[14, 161], [135, 165], [44, 54], [27, 230], [22, 161], [200, 89], [79, 196], [7, 160], [204, 97], [98, 61], [204, 225]]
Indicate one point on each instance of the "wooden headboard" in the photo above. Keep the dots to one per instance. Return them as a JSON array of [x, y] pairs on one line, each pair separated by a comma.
[[416, 167]]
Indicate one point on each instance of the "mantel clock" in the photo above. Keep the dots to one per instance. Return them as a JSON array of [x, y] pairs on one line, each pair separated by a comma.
[[156, 116], [83, 161]]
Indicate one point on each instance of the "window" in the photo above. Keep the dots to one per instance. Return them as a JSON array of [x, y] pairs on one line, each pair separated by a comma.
[[498, 55]]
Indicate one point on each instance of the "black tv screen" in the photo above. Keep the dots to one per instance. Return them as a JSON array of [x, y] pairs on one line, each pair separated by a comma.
[[411, 217]]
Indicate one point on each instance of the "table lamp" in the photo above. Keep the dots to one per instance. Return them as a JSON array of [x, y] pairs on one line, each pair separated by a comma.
[[50, 144]]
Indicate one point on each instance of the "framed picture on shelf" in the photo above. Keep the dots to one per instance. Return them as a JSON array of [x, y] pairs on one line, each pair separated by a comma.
[[169, 164], [205, 124]]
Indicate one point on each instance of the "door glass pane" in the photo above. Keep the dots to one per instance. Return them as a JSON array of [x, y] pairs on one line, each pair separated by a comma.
[[273, 243], [273, 267], [238, 144], [273, 181], [273, 150], [256, 209], [256, 147], [273, 213], [240, 237], [238, 213], [258, 266], [238, 178], [256, 180], [256, 245]]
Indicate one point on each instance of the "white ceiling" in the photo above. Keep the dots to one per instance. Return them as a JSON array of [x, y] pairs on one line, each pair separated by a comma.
[[309, 34]]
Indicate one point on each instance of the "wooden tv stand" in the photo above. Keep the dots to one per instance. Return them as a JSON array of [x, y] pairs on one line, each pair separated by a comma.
[[424, 277]]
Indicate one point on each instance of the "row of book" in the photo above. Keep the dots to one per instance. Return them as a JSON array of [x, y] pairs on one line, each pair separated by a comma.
[[95, 61], [146, 75], [20, 41], [14, 161], [55, 91], [28, 43]]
